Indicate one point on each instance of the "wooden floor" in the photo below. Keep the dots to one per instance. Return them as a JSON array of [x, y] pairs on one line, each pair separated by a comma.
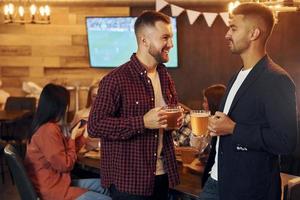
[[8, 191]]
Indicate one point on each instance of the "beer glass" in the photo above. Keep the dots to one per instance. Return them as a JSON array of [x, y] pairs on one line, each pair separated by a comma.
[[199, 122], [173, 112]]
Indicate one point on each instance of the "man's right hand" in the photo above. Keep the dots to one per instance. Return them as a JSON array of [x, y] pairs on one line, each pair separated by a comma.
[[155, 118]]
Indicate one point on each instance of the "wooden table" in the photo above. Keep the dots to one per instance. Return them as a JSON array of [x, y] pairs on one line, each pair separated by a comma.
[[190, 183]]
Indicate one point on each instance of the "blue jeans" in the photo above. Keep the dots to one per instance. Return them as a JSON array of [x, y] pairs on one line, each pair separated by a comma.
[[210, 190], [96, 192]]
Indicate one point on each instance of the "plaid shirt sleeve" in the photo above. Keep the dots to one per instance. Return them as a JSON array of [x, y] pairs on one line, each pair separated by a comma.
[[102, 118]]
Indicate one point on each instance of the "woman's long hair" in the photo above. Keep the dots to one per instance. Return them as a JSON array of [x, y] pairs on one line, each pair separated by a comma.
[[52, 106], [89, 101]]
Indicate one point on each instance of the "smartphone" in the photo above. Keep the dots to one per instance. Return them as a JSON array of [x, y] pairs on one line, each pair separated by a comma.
[[82, 123]]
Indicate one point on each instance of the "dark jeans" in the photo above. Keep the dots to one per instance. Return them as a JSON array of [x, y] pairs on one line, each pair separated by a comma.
[[210, 190], [160, 192]]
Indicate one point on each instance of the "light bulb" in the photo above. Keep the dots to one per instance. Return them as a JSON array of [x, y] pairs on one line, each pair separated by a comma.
[[33, 9], [236, 4], [47, 10], [21, 11], [42, 11], [6, 9], [230, 7], [11, 8]]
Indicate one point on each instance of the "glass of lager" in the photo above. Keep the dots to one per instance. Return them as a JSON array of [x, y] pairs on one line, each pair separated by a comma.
[[199, 122], [173, 112]]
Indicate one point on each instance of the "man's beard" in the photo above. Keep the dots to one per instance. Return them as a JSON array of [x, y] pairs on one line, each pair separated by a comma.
[[157, 55]]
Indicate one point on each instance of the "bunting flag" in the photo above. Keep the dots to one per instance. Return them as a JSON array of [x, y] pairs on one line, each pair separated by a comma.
[[225, 17], [160, 4], [209, 18], [176, 10], [192, 15]]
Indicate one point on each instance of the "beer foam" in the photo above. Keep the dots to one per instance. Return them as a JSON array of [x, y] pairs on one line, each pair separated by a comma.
[[200, 114]]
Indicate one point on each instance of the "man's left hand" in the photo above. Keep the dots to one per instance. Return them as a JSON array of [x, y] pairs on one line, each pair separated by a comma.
[[220, 124]]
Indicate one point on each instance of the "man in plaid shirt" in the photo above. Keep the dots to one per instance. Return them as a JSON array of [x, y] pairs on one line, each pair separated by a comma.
[[137, 152]]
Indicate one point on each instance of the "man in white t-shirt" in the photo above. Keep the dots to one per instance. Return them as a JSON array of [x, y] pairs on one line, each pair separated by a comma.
[[258, 118]]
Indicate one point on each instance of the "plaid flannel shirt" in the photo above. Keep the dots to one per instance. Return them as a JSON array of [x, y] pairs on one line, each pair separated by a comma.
[[128, 149]]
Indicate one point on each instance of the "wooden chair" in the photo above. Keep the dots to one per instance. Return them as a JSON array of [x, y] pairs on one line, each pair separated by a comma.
[[20, 103], [292, 190]]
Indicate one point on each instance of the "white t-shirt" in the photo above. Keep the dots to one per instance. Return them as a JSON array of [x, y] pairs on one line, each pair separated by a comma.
[[159, 102], [233, 90]]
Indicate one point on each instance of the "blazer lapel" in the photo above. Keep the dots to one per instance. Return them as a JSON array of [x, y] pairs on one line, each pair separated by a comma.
[[229, 85], [252, 76]]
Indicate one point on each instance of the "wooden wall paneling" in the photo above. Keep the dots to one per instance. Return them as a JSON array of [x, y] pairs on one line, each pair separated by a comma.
[[54, 29], [11, 82], [101, 11], [15, 71], [14, 39], [72, 19], [82, 12], [37, 71], [15, 50], [79, 40], [12, 28], [20, 61], [60, 15], [73, 61], [59, 50]]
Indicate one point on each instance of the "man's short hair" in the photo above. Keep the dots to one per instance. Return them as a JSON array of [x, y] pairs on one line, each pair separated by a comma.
[[149, 18], [257, 10]]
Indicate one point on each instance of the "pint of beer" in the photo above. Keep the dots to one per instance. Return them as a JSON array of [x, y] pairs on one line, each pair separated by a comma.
[[173, 113], [199, 122]]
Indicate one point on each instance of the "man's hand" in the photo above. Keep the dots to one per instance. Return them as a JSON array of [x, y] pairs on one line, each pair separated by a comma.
[[220, 124], [155, 118]]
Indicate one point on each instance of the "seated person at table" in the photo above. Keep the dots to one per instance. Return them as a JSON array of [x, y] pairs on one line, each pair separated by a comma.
[[83, 114], [212, 96], [51, 151]]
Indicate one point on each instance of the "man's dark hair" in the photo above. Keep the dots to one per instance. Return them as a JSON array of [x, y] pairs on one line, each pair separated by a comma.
[[149, 18], [257, 10]]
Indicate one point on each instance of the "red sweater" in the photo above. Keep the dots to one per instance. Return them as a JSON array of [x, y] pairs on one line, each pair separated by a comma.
[[49, 159]]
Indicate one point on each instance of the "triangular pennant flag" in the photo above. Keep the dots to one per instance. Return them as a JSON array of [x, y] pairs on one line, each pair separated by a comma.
[[225, 17], [176, 10], [192, 15], [160, 4], [209, 18]]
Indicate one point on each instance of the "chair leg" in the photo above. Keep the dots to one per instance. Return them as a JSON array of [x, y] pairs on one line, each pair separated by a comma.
[[10, 173], [2, 167], [11, 176]]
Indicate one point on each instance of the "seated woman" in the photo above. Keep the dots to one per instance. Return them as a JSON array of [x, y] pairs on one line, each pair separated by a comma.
[[183, 137], [83, 114], [51, 151]]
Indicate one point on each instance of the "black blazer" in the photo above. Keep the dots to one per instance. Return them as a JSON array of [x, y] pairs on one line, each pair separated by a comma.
[[264, 109]]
